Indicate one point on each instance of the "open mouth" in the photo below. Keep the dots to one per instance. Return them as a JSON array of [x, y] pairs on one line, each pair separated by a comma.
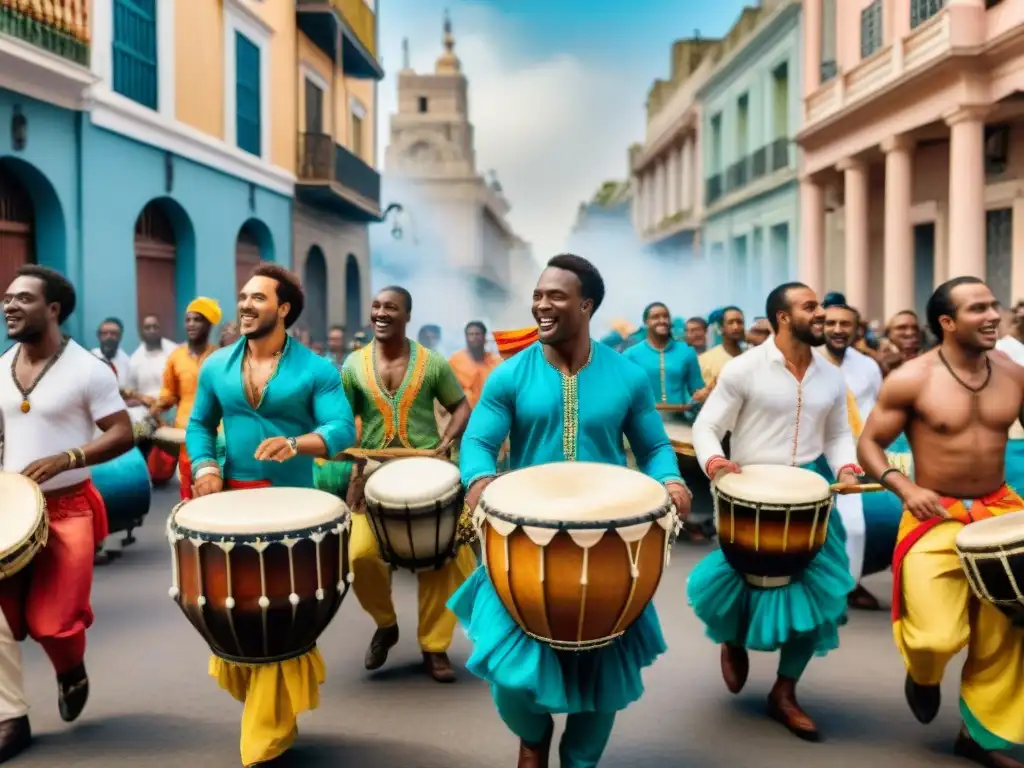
[[989, 330], [546, 323], [382, 323]]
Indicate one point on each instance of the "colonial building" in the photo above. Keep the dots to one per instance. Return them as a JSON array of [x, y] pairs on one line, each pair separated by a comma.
[[454, 208], [913, 144]]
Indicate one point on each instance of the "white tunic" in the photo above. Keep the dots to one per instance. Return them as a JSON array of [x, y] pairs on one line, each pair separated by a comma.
[[146, 368], [1010, 346], [864, 378], [71, 397], [121, 362], [774, 419]]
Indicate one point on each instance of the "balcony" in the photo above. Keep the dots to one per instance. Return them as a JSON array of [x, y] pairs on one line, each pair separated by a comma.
[[349, 24], [736, 176], [751, 175], [333, 178], [713, 191], [779, 155]]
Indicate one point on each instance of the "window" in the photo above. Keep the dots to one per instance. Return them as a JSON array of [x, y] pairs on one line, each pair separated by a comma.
[[922, 10], [871, 29], [422, 105], [742, 125], [358, 128], [314, 107], [135, 51], [828, 68], [780, 102], [248, 133]]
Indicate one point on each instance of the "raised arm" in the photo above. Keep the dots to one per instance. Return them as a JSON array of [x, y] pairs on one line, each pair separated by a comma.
[[718, 415], [840, 449], [201, 433], [489, 425], [888, 419], [645, 431]]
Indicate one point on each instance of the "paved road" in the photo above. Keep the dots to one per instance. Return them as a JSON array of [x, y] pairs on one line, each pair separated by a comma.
[[153, 705]]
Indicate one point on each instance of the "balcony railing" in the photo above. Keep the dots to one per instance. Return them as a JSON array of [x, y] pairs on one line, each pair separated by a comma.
[[755, 166], [780, 154], [319, 20], [58, 26], [759, 164], [829, 70], [337, 178], [736, 176], [714, 189]]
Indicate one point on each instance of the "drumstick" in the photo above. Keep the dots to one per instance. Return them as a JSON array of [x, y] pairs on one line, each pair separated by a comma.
[[847, 488], [382, 454], [672, 407]]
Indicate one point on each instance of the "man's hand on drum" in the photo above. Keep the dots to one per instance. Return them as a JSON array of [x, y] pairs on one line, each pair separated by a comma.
[[47, 468], [923, 504], [275, 449], [476, 491], [720, 465], [444, 449], [207, 484], [681, 498]]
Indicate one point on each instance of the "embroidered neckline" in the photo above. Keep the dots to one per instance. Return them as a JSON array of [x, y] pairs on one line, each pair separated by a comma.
[[571, 408], [394, 407]]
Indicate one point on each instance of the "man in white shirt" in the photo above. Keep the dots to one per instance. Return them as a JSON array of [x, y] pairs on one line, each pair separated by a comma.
[[784, 406], [109, 334], [1012, 344], [143, 387], [53, 397]]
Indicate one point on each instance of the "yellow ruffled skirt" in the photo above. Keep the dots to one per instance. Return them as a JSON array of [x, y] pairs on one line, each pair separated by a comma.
[[273, 697]]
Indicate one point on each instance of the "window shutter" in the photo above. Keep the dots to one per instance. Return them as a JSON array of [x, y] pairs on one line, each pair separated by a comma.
[[134, 51], [248, 130]]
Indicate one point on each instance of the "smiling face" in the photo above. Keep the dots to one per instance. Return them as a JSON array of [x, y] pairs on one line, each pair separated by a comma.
[[389, 316], [259, 311], [975, 322], [659, 322], [905, 332], [733, 326], [26, 311], [840, 329], [696, 334], [805, 315], [559, 308]]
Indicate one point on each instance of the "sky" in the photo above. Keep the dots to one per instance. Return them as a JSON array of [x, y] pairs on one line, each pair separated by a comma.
[[557, 88]]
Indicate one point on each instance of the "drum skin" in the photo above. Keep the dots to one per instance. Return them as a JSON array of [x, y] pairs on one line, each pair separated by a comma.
[[554, 606], [126, 488], [208, 575]]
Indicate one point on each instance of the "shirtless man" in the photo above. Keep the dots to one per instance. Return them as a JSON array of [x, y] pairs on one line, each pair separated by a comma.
[[956, 404]]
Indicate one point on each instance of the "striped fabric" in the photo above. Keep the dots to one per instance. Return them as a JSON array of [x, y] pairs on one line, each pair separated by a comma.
[[511, 342]]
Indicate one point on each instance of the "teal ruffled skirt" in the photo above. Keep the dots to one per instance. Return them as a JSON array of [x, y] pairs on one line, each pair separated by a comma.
[[560, 682], [812, 606]]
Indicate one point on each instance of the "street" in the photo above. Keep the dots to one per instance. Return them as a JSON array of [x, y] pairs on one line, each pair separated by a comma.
[[152, 703]]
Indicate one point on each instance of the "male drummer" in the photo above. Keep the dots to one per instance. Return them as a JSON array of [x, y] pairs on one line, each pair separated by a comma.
[[281, 405], [754, 399], [671, 367], [565, 399], [50, 409], [392, 384], [733, 336], [956, 404]]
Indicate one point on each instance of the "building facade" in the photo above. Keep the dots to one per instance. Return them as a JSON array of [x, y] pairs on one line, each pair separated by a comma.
[[750, 115], [913, 146]]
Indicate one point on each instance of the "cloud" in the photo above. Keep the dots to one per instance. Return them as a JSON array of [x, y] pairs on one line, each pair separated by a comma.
[[553, 127]]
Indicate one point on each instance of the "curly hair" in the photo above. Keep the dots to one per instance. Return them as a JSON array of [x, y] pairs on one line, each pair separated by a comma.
[[591, 282], [289, 290], [57, 289]]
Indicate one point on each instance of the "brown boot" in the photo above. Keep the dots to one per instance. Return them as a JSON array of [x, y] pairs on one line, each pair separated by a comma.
[[735, 667], [969, 749], [783, 708], [536, 756], [439, 667], [384, 639], [15, 737], [72, 693]]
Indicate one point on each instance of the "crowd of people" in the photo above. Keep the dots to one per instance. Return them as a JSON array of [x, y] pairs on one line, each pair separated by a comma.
[[808, 385]]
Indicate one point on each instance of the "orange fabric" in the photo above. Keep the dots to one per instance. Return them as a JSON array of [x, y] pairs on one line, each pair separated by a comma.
[[181, 382], [511, 342], [185, 477], [49, 600], [161, 465], [243, 485], [1000, 502], [472, 373]]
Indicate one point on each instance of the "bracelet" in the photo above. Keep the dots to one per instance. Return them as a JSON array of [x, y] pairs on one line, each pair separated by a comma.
[[72, 459], [80, 455], [205, 471], [881, 477], [855, 468], [710, 464]]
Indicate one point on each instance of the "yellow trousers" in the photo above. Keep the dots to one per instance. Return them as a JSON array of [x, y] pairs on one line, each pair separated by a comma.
[[372, 585], [273, 697], [940, 617]]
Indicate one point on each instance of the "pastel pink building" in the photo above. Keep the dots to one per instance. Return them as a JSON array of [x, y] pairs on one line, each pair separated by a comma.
[[913, 148]]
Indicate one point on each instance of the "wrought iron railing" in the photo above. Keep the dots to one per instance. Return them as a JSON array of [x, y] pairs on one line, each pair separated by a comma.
[[780, 154], [323, 160], [58, 26]]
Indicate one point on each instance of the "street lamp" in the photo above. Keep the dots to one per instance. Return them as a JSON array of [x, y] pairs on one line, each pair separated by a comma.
[[396, 227]]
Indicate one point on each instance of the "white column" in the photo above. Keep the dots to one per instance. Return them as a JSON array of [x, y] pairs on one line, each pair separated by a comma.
[[967, 191], [899, 229], [638, 203], [673, 182], [649, 206], [686, 175], [857, 249], [659, 191]]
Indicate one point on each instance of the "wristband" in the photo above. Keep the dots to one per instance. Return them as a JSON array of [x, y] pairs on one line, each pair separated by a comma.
[[205, 471], [713, 463], [72, 459], [881, 478], [856, 469]]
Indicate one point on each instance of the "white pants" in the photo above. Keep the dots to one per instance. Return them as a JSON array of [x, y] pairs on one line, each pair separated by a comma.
[[12, 687], [851, 510]]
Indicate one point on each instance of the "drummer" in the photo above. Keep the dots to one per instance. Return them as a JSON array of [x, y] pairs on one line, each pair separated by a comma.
[[544, 398], [295, 396], [400, 414], [754, 400], [733, 336], [956, 404], [51, 407]]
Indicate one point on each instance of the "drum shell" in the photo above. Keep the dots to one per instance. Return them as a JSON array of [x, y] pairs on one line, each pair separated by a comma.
[[418, 537], [542, 589], [208, 575], [21, 555], [770, 541], [986, 569], [126, 488]]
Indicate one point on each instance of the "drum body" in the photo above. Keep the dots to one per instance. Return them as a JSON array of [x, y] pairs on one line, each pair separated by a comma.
[[771, 521], [25, 527], [126, 488], [575, 550], [260, 573], [413, 506], [883, 511], [681, 437], [992, 555]]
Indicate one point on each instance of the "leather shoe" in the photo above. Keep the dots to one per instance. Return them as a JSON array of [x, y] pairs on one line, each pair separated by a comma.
[[15, 737], [784, 708], [384, 639], [536, 756], [969, 749], [72, 693], [439, 667], [924, 700], [735, 667]]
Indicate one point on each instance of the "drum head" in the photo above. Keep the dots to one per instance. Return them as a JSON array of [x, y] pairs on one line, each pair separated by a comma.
[[256, 511], [679, 433], [23, 506], [1003, 531], [575, 494], [772, 484], [169, 435], [413, 481]]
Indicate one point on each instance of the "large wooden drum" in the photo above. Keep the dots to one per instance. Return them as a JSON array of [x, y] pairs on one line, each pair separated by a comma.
[[771, 521], [681, 437], [992, 555], [575, 550], [24, 528], [260, 573]]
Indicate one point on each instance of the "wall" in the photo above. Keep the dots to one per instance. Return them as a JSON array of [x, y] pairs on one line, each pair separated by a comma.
[[119, 177]]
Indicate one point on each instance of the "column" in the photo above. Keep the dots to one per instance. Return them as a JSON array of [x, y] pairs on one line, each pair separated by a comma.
[[648, 199], [685, 176], [899, 230], [967, 191], [856, 232], [811, 264], [660, 192], [812, 47], [638, 203], [1017, 270], [697, 186], [672, 192]]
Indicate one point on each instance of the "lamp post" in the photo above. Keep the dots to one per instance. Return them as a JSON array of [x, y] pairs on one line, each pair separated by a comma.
[[397, 231]]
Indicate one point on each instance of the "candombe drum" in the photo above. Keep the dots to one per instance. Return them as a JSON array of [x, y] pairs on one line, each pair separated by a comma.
[[771, 521], [127, 491], [413, 505], [261, 572], [575, 550], [991, 552], [25, 528]]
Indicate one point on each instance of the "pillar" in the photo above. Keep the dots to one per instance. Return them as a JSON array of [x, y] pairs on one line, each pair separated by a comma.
[[812, 46], [856, 233], [899, 229], [1017, 269], [686, 176], [638, 203], [812, 235], [967, 191], [672, 185]]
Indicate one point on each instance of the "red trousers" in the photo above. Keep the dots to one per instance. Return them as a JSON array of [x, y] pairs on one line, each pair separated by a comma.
[[161, 466], [185, 476], [49, 600]]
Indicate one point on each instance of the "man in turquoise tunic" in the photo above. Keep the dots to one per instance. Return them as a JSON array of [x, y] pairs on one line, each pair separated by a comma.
[[564, 399], [281, 405]]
